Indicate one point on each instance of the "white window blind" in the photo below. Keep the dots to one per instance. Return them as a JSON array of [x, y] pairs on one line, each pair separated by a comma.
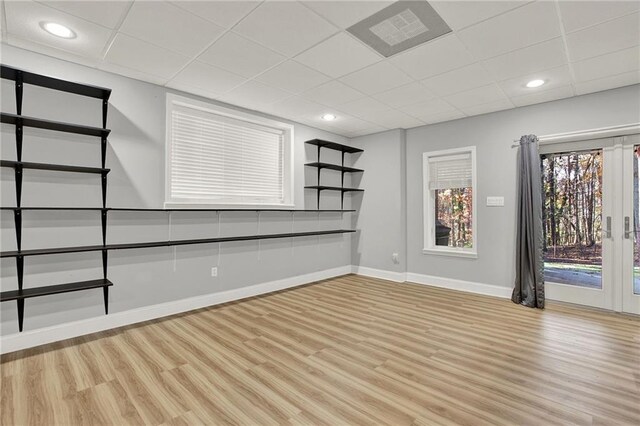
[[451, 171], [214, 158]]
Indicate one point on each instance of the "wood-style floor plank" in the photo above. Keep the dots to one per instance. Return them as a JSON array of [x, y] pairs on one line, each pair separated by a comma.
[[349, 350]]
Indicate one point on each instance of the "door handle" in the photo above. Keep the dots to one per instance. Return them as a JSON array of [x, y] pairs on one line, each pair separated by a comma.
[[607, 231], [627, 231]]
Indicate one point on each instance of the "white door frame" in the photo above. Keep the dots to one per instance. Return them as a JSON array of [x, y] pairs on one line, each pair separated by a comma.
[[617, 251]]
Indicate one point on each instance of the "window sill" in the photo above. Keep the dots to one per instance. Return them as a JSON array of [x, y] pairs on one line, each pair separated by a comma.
[[451, 252]]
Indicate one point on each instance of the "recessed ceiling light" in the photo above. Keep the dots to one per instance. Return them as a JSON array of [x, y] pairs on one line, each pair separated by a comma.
[[535, 83], [57, 30], [328, 117]]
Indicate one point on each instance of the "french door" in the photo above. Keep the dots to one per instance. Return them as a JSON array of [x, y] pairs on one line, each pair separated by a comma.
[[591, 221]]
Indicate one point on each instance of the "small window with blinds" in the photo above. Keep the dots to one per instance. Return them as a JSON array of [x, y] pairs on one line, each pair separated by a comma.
[[218, 156], [449, 202]]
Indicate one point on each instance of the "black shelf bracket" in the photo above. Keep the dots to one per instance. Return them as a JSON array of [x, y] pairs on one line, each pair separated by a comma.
[[20, 275]]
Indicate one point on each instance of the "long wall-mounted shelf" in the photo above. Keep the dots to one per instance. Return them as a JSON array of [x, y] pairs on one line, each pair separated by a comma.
[[53, 167], [132, 209], [335, 146], [27, 77], [58, 126], [53, 289], [334, 167], [334, 188], [124, 246]]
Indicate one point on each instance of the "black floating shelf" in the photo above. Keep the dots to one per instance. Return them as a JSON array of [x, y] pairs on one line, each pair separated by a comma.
[[344, 169], [80, 249], [333, 145], [55, 167], [334, 188], [53, 289], [133, 209], [27, 77], [53, 125]]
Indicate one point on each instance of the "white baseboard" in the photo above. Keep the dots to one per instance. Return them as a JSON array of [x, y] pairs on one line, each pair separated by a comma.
[[28, 339], [379, 273], [452, 284]]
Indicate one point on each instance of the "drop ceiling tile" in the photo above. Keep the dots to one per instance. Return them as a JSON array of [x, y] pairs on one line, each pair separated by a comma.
[[521, 27], [437, 56], [581, 14], [459, 80], [49, 51], [376, 78], [23, 21], [362, 107], [343, 14], [131, 73], [255, 94], [105, 13], [461, 14], [339, 55], [203, 76], [393, 119], [141, 56], [499, 105], [293, 77], [428, 108], [477, 96], [240, 56], [607, 65], [224, 13], [408, 94], [443, 116], [349, 123], [365, 132], [544, 96], [607, 83], [297, 106], [333, 93], [555, 77], [285, 26], [604, 38], [168, 26], [539, 57]]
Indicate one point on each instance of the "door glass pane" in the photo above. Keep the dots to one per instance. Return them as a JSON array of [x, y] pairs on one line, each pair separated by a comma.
[[572, 218], [636, 225]]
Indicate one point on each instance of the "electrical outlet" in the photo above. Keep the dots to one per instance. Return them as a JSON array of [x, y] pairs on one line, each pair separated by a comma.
[[214, 271], [395, 257]]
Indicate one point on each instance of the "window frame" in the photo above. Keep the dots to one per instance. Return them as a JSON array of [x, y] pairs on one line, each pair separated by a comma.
[[428, 197], [288, 160]]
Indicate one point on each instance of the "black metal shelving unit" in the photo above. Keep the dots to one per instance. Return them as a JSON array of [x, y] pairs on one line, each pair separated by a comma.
[[21, 77], [344, 149]]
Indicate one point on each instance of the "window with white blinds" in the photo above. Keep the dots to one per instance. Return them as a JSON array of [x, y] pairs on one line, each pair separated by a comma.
[[215, 158], [451, 171], [450, 194]]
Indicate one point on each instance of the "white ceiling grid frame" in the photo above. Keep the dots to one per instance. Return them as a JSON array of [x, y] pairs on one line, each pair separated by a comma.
[[591, 36]]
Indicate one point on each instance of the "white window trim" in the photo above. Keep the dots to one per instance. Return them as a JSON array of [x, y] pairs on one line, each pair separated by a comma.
[[289, 171], [429, 246]]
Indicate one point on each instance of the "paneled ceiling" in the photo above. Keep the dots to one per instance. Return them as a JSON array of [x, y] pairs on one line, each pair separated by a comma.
[[295, 59]]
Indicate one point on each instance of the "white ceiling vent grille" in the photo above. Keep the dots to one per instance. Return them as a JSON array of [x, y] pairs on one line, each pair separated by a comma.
[[400, 26]]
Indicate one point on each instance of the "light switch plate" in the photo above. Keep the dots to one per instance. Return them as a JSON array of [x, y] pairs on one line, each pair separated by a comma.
[[495, 201]]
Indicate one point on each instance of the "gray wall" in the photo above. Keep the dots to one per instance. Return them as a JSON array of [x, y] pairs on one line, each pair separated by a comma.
[[136, 158], [382, 213]]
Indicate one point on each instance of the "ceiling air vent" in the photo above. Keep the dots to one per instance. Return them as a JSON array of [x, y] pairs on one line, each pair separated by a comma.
[[400, 26]]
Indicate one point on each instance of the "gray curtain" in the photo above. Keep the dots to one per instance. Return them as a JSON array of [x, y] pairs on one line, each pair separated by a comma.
[[529, 285]]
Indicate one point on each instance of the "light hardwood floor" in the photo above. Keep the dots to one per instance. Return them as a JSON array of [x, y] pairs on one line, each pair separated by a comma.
[[350, 350]]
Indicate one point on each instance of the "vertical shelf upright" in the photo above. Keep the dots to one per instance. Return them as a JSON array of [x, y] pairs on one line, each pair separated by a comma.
[[344, 149]]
